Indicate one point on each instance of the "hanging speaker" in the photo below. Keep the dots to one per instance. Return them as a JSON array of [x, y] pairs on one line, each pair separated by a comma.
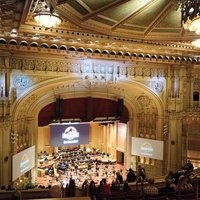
[[59, 108], [120, 107]]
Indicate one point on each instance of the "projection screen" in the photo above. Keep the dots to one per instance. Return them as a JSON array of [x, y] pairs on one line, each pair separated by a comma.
[[147, 148]]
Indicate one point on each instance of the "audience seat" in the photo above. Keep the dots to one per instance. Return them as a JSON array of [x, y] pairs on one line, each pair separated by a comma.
[[55, 191], [117, 196], [133, 194], [156, 197]]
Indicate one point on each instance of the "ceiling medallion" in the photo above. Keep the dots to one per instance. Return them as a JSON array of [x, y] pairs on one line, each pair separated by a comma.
[[191, 15]]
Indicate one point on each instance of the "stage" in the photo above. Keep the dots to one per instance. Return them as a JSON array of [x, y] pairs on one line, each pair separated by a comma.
[[80, 165]]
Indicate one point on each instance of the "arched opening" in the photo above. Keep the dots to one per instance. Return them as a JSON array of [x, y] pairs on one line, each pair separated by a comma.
[[44, 45], [109, 134], [97, 123]]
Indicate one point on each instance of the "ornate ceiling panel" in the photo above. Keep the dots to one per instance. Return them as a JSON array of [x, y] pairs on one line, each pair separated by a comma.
[[147, 19]]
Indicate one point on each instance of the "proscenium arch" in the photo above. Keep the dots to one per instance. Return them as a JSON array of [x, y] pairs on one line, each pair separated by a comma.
[[51, 88], [45, 93]]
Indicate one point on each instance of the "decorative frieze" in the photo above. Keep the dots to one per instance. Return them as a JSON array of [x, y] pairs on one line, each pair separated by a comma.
[[196, 85], [86, 67]]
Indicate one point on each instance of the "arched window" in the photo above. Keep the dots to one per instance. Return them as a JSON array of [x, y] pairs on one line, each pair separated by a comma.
[[72, 49], [97, 51], [23, 43], [34, 44], [63, 47], [2, 41], [44, 45], [13, 42], [53, 46], [80, 50]]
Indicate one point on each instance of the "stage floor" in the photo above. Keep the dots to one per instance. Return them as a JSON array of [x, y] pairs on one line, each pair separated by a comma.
[[107, 171]]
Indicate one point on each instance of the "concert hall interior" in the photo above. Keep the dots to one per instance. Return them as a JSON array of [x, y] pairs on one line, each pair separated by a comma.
[[92, 88]]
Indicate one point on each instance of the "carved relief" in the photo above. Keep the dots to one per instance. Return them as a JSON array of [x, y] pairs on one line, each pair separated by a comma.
[[122, 71], [131, 70], [147, 117], [41, 65], [147, 72], [16, 63], [156, 86], [154, 72], [139, 71], [21, 82], [196, 85], [90, 84], [29, 64], [102, 69], [144, 101]]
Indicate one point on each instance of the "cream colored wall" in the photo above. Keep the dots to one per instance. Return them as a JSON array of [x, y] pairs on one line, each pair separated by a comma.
[[104, 138], [121, 137], [44, 140], [112, 140], [96, 136]]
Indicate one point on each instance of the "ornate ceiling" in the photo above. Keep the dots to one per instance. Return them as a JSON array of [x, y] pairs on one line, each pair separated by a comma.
[[146, 19], [88, 22]]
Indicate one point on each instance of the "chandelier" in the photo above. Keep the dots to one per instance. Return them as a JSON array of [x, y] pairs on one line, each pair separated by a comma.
[[196, 43], [191, 15], [47, 19]]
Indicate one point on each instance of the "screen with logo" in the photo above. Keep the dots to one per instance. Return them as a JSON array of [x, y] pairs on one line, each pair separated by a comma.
[[69, 134], [22, 162], [147, 148]]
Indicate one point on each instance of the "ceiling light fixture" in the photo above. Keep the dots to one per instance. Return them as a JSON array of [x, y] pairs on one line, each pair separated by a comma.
[[47, 19], [196, 43], [45, 16], [191, 15]]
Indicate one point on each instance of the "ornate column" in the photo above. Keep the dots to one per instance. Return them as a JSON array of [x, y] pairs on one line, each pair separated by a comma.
[[175, 142], [7, 76], [5, 155]]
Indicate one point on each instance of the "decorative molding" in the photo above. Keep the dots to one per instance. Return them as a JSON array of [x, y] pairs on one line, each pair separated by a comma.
[[196, 85], [22, 112], [101, 69], [113, 51]]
